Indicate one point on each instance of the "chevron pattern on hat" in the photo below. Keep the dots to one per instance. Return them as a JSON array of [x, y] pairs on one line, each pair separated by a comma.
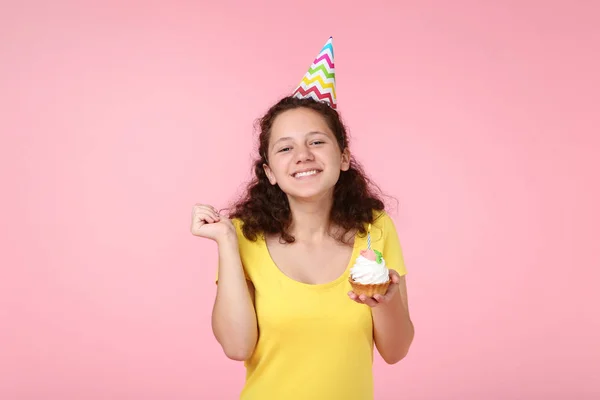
[[319, 81]]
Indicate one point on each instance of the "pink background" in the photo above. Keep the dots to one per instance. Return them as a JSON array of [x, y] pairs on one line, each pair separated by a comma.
[[115, 118]]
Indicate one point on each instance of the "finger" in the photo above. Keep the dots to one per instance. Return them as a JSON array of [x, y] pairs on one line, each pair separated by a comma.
[[207, 213], [379, 298], [394, 277], [391, 292], [205, 207], [354, 297], [367, 300], [371, 303], [206, 219], [202, 207]]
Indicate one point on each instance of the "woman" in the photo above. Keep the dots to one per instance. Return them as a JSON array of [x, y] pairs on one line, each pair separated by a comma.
[[284, 304]]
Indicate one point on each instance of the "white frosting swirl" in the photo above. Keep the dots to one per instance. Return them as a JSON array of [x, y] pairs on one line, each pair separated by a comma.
[[368, 272]]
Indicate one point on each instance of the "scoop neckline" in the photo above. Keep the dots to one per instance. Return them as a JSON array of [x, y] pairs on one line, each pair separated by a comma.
[[336, 281]]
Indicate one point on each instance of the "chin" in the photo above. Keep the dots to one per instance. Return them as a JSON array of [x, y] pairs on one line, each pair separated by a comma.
[[310, 190], [307, 196], [309, 193]]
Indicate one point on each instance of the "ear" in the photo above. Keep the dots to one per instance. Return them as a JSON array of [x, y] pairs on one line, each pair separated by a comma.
[[345, 162], [269, 174]]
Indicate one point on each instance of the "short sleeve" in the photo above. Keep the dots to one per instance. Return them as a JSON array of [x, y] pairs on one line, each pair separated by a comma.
[[392, 249], [242, 242]]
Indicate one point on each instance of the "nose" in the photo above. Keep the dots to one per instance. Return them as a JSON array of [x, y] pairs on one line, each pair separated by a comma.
[[303, 154]]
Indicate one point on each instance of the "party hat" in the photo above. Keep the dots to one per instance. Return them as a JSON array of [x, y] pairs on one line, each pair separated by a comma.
[[319, 82]]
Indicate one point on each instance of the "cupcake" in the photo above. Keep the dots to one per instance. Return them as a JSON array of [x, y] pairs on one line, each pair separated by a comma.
[[369, 275]]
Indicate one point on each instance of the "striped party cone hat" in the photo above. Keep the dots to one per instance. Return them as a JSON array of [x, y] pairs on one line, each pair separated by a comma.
[[319, 81]]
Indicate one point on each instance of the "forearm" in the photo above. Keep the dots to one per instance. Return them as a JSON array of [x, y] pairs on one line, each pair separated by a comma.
[[234, 318], [393, 329]]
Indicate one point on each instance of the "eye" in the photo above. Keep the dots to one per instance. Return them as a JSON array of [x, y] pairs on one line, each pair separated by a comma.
[[284, 149], [318, 142]]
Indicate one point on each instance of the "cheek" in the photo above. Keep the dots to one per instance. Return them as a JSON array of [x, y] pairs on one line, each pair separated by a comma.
[[333, 158], [278, 168]]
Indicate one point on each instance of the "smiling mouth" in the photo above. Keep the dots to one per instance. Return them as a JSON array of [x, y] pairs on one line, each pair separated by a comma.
[[305, 174]]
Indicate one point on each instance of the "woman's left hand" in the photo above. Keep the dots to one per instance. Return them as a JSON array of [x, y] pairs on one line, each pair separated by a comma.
[[378, 299]]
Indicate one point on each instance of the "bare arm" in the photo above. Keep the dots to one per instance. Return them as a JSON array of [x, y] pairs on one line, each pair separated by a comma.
[[233, 317], [393, 328]]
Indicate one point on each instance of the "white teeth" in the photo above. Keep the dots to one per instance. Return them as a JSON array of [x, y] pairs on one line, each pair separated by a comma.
[[307, 173]]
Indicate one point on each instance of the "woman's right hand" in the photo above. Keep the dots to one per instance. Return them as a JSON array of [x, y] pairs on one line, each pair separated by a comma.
[[208, 223]]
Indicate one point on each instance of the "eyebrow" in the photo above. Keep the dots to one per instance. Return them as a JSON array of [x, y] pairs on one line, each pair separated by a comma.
[[291, 138]]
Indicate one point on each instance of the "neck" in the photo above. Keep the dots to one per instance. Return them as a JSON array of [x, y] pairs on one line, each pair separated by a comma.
[[310, 218]]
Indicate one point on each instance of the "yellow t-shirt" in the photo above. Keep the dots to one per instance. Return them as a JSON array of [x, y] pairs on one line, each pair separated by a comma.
[[314, 341]]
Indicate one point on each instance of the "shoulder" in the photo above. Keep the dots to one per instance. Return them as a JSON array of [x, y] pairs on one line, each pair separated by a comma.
[[243, 241], [382, 221], [380, 217], [383, 227], [252, 252], [239, 225], [386, 238]]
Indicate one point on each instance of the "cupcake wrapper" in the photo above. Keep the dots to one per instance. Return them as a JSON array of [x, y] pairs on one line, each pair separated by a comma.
[[369, 290]]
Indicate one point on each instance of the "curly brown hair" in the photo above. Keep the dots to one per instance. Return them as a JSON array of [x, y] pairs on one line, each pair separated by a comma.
[[264, 208]]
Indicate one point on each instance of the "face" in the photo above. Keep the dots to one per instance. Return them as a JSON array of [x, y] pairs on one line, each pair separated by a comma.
[[305, 159]]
